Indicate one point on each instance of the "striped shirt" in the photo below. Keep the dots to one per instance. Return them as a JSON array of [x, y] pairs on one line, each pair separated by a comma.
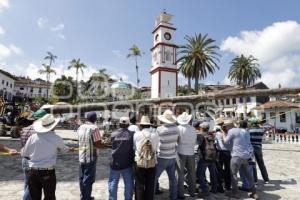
[[168, 136], [25, 134], [256, 136], [88, 134]]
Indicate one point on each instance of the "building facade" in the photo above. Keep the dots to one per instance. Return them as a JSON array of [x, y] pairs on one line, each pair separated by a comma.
[[27, 88], [164, 77], [7, 84]]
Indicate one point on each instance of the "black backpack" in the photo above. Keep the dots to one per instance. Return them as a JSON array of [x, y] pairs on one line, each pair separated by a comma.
[[209, 149]]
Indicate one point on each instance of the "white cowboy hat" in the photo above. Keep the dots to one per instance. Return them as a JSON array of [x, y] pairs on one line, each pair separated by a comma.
[[45, 124], [167, 117], [145, 120], [184, 118], [124, 120]]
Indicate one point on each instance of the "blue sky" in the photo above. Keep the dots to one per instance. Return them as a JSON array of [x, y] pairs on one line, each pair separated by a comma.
[[101, 32]]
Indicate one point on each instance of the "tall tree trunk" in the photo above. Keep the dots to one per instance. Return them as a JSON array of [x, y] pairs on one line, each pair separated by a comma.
[[189, 84], [76, 84], [137, 72], [196, 85], [245, 108], [48, 77]]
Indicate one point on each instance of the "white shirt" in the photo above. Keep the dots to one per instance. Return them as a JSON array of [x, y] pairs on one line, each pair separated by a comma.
[[134, 128], [140, 137], [41, 149], [187, 140]]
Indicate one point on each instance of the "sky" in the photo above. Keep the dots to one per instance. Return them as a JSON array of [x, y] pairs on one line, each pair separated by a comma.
[[100, 32]]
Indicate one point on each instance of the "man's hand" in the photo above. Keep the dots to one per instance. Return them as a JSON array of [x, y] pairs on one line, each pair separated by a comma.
[[13, 152]]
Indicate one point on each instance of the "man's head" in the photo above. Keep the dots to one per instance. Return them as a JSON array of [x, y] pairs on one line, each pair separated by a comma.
[[204, 126], [145, 122], [124, 122], [91, 117], [244, 124], [227, 125]]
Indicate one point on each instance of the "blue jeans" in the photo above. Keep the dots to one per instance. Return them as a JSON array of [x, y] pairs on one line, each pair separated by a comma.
[[245, 181], [113, 182], [25, 167], [201, 169], [87, 175], [170, 166]]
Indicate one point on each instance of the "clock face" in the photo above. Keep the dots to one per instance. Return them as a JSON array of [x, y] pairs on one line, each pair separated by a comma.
[[167, 36]]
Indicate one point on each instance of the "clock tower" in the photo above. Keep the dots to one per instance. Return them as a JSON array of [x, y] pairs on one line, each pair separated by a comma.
[[164, 75]]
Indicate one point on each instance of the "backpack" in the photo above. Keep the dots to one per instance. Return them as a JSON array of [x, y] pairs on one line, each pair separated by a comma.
[[209, 150], [146, 157]]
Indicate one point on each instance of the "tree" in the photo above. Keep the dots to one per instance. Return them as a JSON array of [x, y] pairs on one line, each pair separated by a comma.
[[64, 88], [51, 57], [135, 52], [78, 65], [244, 71], [198, 58], [48, 71]]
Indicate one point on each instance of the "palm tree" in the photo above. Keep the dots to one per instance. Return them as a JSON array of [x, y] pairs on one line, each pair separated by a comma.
[[244, 71], [48, 71], [51, 57], [199, 58], [135, 52], [78, 65]]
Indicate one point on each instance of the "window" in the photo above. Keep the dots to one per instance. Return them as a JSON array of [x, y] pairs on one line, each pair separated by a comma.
[[6, 83], [282, 117], [272, 115], [248, 99], [217, 102], [227, 101], [297, 117], [10, 85], [21, 88], [40, 90], [168, 55], [234, 101], [241, 100], [3, 81]]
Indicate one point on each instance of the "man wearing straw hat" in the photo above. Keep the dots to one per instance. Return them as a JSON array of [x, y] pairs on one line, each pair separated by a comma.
[[24, 136], [168, 136], [186, 155], [41, 151], [145, 145], [89, 139]]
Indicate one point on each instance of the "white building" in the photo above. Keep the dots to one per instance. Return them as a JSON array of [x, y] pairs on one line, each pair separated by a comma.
[[164, 78], [280, 114], [27, 88], [7, 83]]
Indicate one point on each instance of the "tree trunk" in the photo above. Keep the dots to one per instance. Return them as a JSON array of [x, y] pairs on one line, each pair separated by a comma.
[[137, 72], [189, 84], [196, 85], [48, 77], [245, 108]]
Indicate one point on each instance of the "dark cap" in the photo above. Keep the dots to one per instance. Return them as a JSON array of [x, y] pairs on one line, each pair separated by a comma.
[[91, 117]]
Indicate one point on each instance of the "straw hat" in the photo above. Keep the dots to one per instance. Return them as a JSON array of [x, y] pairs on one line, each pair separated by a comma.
[[184, 118], [167, 117], [145, 120], [124, 120], [45, 124], [219, 121], [205, 125]]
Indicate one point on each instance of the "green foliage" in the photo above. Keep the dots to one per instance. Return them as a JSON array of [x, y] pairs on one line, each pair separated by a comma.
[[40, 100], [64, 89], [244, 70], [198, 58]]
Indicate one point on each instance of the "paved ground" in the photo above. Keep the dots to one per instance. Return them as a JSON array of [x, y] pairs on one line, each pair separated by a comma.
[[282, 161]]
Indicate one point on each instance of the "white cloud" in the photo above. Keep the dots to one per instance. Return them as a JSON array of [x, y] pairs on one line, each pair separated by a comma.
[[61, 36], [118, 54], [58, 27], [42, 22], [4, 4], [2, 31], [277, 47], [6, 51]]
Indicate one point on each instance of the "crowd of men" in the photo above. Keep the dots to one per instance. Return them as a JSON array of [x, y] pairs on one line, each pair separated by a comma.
[[186, 149]]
